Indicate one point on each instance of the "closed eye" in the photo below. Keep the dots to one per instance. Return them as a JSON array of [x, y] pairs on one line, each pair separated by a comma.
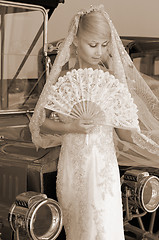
[[93, 45], [105, 44]]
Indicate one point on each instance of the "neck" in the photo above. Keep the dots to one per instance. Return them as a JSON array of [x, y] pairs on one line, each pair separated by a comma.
[[81, 64]]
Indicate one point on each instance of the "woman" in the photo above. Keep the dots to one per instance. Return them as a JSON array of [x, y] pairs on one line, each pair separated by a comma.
[[88, 181]]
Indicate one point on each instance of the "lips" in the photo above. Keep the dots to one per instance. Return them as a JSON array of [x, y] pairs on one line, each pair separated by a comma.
[[96, 59]]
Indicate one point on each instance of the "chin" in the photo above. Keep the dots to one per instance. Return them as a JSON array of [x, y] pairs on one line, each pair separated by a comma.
[[96, 62]]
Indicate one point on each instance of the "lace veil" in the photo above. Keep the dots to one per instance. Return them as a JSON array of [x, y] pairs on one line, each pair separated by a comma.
[[146, 142]]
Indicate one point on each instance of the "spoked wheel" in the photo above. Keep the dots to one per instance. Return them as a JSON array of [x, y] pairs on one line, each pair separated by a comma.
[[143, 228]]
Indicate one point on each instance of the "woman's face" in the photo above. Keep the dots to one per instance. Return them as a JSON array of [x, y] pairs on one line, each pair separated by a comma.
[[90, 49]]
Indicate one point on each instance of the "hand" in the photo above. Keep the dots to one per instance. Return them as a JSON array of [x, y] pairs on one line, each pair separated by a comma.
[[81, 126]]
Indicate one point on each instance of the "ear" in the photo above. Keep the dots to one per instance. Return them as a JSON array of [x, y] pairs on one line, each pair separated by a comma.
[[75, 41]]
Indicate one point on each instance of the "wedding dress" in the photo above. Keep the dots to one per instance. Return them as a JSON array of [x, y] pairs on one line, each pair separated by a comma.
[[88, 180], [88, 186]]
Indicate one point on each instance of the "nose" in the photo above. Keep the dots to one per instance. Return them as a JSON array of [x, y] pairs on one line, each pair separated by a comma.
[[99, 50]]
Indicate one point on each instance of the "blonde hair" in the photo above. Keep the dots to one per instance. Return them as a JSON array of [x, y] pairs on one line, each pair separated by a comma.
[[93, 23]]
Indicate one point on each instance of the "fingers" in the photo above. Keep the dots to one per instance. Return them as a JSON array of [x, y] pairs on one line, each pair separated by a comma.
[[86, 128], [82, 126]]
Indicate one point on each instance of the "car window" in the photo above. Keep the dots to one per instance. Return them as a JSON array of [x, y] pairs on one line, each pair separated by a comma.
[[20, 57]]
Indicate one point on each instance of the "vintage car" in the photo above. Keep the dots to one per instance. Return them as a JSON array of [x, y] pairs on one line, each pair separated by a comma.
[[27, 176], [22, 168]]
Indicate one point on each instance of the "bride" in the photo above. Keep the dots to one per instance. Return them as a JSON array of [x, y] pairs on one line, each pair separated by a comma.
[[88, 180]]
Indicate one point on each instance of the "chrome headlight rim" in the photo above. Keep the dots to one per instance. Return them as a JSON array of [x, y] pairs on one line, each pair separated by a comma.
[[29, 211], [141, 188], [30, 220]]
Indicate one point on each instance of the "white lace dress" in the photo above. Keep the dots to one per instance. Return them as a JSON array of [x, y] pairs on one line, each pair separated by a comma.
[[88, 180], [88, 186]]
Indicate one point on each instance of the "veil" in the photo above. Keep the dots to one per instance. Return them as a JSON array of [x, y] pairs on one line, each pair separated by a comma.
[[144, 144]]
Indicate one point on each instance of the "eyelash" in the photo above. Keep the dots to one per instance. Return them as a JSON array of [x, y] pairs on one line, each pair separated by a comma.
[[93, 46]]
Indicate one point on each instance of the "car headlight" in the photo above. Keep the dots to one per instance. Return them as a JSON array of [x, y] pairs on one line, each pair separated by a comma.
[[141, 189], [36, 215]]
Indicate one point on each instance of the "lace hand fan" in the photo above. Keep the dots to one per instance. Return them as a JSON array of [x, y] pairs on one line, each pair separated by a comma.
[[93, 95]]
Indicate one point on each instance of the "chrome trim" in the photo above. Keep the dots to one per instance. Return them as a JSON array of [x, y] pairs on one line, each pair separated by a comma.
[[14, 126], [7, 112]]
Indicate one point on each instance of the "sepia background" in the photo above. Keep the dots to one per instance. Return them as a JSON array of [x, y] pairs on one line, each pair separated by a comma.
[[131, 18]]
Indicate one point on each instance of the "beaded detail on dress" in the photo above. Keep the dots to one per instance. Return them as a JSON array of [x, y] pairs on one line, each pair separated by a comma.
[[88, 183]]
